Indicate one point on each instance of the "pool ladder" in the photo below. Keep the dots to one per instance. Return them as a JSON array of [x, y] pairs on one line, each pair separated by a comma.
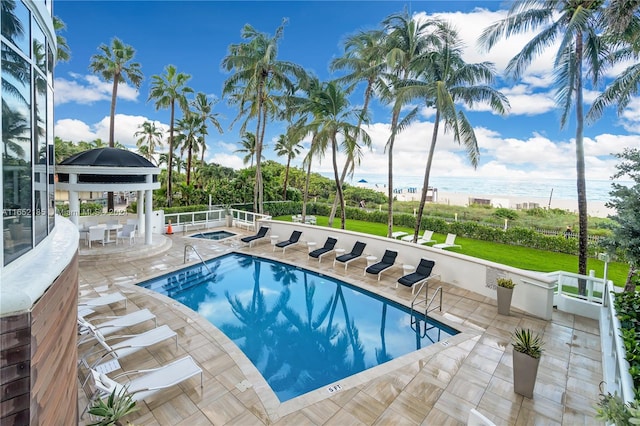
[[415, 322], [189, 246]]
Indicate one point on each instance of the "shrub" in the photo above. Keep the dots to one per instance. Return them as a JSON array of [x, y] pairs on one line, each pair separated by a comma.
[[506, 213]]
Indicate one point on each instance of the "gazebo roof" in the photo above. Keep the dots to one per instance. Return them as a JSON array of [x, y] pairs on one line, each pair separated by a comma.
[[107, 157]]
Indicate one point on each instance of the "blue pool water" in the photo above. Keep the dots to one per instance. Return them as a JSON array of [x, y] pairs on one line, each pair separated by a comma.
[[214, 235], [301, 330]]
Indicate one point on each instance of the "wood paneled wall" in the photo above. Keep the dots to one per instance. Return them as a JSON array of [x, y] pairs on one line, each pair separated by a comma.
[[39, 358]]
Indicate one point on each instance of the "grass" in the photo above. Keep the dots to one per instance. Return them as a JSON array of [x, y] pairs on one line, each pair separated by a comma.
[[516, 256]]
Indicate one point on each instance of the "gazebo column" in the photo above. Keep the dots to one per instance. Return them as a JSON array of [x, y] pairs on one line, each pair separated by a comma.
[[148, 199], [74, 200], [141, 215]]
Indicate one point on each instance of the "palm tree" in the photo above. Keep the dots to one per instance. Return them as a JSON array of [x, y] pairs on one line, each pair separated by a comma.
[[444, 79], [149, 136], [15, 131], [248, 143], [166, 90], [289, 147], [406, 40], [114, 64], [364, 56], [189, 127], [63, 52], [203, 106], [574, 23], [257, 73], [333, 116]]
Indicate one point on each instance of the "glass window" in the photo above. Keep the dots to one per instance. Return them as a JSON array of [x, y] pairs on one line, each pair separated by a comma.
[[40, 178], [16, 24], [39, 47], [51, 159], [17, 155]]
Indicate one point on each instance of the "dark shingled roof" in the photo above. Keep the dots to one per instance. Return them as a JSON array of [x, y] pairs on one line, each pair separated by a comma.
[[111, 157]]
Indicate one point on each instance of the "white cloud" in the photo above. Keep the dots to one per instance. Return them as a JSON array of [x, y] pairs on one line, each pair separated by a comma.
[[226, 160], [87, 89], [74, 130]]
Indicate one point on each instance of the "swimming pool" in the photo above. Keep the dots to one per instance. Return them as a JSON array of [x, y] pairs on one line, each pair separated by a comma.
[[301, 330], [214, 235]]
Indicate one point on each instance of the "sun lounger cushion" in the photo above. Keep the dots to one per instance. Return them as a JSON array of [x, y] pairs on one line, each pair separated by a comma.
[[356, 252], [261, 233], [388, 259], [295, 236], [423, 271], [328, 246]]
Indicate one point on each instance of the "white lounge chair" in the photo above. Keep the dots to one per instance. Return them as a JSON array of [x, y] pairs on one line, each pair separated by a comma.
[[114, 324], [104, 300], [427, 237], [449, 242], [148, 382], [130, 345]]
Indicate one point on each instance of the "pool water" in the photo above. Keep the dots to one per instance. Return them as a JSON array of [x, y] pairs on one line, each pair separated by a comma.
[[214, 235], [301, 330]]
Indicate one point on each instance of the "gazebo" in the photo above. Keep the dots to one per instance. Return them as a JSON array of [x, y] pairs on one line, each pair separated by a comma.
[[110, 170]]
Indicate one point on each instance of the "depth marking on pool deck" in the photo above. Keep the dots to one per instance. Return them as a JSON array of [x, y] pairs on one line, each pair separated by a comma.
[[334, 388]]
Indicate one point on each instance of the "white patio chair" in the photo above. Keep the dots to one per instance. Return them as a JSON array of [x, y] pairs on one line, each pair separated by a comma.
[[427, 237], [114, 323], [128, 232], [96, 233], [105, 299]]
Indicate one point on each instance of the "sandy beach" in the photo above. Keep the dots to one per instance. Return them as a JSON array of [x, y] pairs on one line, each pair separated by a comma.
[[595, 208]]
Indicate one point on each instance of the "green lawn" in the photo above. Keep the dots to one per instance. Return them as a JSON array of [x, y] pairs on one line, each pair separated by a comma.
[[516, 256]]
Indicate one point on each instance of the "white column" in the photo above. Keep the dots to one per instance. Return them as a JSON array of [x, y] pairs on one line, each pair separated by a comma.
[[74, 201], [148, 199], [141, 209]]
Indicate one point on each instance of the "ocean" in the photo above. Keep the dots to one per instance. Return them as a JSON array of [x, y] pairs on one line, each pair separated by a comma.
[[563, 189]]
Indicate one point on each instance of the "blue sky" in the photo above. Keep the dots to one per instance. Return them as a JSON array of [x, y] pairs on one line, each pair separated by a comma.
[[194, 36]]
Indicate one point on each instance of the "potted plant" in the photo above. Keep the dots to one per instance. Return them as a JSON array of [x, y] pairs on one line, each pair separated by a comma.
[[527, 348], [116, 406], [505, 292]]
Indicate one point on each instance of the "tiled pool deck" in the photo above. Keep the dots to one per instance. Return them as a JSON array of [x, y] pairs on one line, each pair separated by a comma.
[[437, 385]]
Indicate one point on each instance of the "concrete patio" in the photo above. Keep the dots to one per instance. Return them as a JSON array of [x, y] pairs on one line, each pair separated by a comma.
[[436, 385]]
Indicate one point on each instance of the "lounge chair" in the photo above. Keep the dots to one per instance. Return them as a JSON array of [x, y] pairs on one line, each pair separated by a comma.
[[114, 324], [148, 382], [130, 345], [422, 273], [262, 232], [328, 247], [355, 253], [96, 233], [104, 300], [293, 239], [387, 261], [427, 237], [449, 242]]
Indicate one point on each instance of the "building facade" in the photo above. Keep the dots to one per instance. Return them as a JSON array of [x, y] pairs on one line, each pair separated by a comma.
[[38, 252]]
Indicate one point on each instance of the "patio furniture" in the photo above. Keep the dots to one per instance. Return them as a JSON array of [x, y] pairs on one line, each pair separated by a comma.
[[424, 239], [147, 382], [96, 233], [262, 232], [105, 299], [449, 242], [355, 253], [387, 261], [128, 233], [114, 323], [422, 273], [293, 239], [328, 247]]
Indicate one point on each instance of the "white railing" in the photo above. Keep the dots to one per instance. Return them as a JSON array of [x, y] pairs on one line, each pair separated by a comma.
[[615, 367], [568, 286], [182, 222]]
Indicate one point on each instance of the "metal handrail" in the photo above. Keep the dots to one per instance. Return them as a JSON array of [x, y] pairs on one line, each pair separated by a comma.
[[186, 246], [438, 290]]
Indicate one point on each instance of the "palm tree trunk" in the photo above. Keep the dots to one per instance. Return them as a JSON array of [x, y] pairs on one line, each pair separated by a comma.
[[258, 176], [189, 155], [630, 285], [305, 197], [170, 161], [394, 124], [427, 172], [286, 178], [261, 184], [580, 169], [334, 207], [112, 117], [334, 155]]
